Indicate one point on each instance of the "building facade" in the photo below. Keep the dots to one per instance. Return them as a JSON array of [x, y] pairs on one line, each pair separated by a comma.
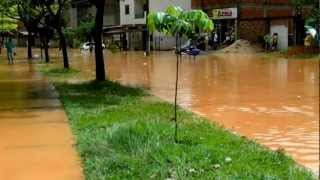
[[81, 9], [125, 21], [252, 19]]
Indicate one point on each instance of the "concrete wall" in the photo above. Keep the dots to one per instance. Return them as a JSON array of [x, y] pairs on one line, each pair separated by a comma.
[[129, 18], [161, 5], [111, 14], [166, 43], [280, 27], [252, 30]]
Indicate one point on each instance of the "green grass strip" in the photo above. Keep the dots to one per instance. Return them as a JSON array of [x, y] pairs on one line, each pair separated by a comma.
[[124, 133]]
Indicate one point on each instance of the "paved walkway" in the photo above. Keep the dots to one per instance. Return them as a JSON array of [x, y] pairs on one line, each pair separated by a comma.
[[35, 138]]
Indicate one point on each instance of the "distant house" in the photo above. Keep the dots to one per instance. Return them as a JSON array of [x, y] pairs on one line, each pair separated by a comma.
[[252, 19], [125, 21]]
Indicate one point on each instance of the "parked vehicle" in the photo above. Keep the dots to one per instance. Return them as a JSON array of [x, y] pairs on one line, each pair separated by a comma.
[[88, 45]]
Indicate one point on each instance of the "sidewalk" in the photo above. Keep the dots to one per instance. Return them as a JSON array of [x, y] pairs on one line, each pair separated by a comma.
[[35, 138]]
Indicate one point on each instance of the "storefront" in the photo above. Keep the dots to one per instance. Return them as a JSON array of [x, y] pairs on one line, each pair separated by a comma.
[[225, 21]]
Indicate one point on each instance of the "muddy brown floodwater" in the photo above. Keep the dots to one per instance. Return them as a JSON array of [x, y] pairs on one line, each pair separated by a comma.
[[35, 140], [274, 101]]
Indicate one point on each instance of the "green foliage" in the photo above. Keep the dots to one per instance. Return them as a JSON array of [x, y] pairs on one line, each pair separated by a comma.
[[69, 35], [84, 31], [25, 11], [8, 24], [298, 3], [177, 21], [58, 72], [122, 133], [313, 18]]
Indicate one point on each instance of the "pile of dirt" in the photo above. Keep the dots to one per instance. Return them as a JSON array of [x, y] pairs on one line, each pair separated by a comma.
[[240, 46]]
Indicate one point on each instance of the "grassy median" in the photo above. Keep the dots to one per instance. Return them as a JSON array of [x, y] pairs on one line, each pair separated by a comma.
[[124, 133]]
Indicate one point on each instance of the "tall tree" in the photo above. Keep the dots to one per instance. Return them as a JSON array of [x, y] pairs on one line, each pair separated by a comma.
[[45, 33], [100, 70], [55, 13]]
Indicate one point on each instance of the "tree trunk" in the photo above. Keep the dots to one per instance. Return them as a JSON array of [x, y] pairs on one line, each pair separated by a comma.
[[46, 49], [178, 54], [100, 70], [29, 45], [41, 47], [148, 33], [64, 49]]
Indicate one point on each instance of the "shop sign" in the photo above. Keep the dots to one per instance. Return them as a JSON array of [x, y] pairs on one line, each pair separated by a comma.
[[227, 13]]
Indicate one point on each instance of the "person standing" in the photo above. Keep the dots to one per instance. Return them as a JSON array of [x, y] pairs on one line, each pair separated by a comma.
[[9, 46], [267, 42], [206, 42], [307, 43], [215, 41], [275, 41]]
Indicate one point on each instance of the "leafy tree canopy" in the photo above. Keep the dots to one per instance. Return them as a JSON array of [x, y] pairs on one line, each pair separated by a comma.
[[8, 24], [302, 2], [313, 18], [177, 21]]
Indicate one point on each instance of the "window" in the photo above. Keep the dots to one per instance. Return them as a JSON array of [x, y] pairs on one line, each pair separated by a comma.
[[127, 9], [139, 8]]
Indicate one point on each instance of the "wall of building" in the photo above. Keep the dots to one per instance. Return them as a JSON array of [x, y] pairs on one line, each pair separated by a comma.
[[207, 4], [161, 5], [252, 30], [256, 17], [160, 40], [111, 13], [80, 12], [131, 17]]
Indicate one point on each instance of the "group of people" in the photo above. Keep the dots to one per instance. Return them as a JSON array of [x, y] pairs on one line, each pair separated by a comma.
[[271, 42], [214, 41], [10, 49]]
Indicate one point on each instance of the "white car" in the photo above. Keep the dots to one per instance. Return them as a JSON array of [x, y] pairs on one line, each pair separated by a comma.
[[86, 45]]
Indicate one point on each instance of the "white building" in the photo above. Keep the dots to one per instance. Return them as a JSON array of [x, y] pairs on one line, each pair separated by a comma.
[[126, 19]]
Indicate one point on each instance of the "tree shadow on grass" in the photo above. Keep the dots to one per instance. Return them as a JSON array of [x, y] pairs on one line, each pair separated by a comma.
[[94, 95], [95, 88]]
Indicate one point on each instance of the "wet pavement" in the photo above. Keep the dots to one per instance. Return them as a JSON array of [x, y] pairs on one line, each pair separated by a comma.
[[35, 138], [274, 101]]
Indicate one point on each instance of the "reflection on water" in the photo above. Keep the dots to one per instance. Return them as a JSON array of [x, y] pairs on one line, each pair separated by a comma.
[[274, 101]]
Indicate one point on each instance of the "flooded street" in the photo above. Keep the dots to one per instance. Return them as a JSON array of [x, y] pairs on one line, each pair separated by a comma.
[[34, 131], [274, 101]]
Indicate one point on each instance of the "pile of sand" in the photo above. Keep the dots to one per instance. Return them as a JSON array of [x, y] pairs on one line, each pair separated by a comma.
[[240, 46]]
